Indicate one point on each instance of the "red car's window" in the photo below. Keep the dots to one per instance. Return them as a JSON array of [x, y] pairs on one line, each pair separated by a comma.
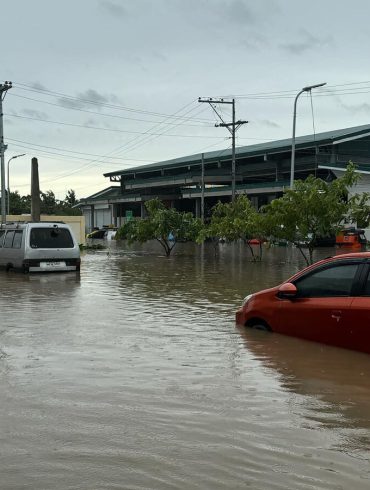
[[332, 281], [367, 285]]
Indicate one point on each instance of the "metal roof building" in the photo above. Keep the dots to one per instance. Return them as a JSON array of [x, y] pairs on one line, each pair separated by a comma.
[[262, 172]]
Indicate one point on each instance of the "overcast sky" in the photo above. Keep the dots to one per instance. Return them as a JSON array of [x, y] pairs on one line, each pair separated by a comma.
[[101, 85]]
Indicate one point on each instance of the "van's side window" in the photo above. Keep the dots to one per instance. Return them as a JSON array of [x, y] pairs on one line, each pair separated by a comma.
[[9, 239], [2, 233], [17, 241]]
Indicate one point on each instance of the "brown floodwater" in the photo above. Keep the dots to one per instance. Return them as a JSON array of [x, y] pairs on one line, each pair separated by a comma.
[[133, 375]]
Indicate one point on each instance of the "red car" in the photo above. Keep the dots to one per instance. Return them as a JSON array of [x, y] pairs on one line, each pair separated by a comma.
[[327, 302]]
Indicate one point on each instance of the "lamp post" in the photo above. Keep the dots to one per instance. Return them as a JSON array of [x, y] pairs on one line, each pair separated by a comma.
[[10, 159], [4, 87], [305, 89]]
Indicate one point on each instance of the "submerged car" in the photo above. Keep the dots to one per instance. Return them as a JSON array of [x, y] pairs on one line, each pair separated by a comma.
[[327, 302], [46, 246], [103, 233]]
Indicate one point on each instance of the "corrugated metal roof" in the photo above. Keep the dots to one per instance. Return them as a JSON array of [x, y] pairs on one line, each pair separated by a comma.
[[108, 193], [320, 139]]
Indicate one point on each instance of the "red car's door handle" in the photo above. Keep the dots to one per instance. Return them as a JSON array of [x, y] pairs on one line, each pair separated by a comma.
[[336, 314]]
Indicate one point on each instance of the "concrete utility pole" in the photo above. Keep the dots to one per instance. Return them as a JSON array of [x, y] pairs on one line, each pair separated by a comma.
[[35, 191], [3, 90], [232, 127]]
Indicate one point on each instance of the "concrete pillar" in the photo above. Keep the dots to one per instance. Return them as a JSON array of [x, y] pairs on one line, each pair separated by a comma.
[[35, 191], [92, 220], [278, 170], [197, 207], [111, 207], [114, 214], [142, 210], [333, 154]]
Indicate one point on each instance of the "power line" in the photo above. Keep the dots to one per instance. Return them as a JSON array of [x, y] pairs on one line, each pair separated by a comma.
[[92, 162], [73, 151], [291, 92], [83, 126], [97, 103], [134, 143]]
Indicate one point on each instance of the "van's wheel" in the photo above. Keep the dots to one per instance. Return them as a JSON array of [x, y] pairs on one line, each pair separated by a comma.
[[8, 267]]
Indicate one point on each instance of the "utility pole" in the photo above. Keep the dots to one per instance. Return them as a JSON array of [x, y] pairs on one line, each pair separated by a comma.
[[35, 191], [3, 90], [232, 128]]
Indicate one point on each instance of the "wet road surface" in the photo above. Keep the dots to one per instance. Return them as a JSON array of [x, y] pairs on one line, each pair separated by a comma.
[[133, 375]]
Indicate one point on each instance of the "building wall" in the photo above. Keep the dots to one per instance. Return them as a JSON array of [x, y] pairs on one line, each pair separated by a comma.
[[103, 216], [77, 223]]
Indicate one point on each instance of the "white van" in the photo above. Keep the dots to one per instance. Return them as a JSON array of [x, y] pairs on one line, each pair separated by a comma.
[[38, 247]]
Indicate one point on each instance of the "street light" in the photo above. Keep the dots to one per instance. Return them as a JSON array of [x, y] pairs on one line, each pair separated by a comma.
[[10, 159], [305, 89]]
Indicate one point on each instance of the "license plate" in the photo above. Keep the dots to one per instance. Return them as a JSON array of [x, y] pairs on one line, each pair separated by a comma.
[[52, 264]]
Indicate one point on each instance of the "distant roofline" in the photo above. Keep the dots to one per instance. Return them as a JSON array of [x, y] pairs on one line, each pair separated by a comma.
[[277, 146]]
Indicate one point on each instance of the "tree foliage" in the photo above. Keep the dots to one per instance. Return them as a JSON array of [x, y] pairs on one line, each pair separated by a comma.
[[49, 204], [233, 221], [166, 225], [360, 209], [313, 209]]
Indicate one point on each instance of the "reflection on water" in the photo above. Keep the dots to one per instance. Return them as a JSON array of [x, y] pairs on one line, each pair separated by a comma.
[[133, 375], [337, 379]]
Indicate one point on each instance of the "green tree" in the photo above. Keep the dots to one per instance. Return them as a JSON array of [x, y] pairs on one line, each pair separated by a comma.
[[360, 209], [167, 226], [70, 200], [67, 206], [233, 221], [19, 204], [312, 210], [49, 204]]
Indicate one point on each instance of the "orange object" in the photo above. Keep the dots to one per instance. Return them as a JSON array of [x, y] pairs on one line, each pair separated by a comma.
[[351, 237]]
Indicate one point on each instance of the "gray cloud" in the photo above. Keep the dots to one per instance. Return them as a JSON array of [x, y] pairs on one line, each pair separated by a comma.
[[159, 56], [254, 41], [94, 123], [113, 9], [90, 122], [268, 123], [34, 113], [71, 104], [365, 107], [306, 42], [239, 12], [38, 86], [83, 98], [94, 96]]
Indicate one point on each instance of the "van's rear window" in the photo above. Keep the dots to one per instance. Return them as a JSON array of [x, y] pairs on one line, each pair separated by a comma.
[[51, 238]]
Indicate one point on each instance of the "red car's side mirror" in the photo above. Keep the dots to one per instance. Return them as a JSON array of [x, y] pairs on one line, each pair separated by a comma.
[[287, 290]]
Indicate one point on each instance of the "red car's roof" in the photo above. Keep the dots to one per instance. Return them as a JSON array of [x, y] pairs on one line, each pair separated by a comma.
[[360, 255]]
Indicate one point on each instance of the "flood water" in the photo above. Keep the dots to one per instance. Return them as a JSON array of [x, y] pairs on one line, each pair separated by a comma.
[[133, 375]]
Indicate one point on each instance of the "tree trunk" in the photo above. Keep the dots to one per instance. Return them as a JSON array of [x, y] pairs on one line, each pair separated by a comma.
[[251, 250], [166, 246], [303, 254]]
